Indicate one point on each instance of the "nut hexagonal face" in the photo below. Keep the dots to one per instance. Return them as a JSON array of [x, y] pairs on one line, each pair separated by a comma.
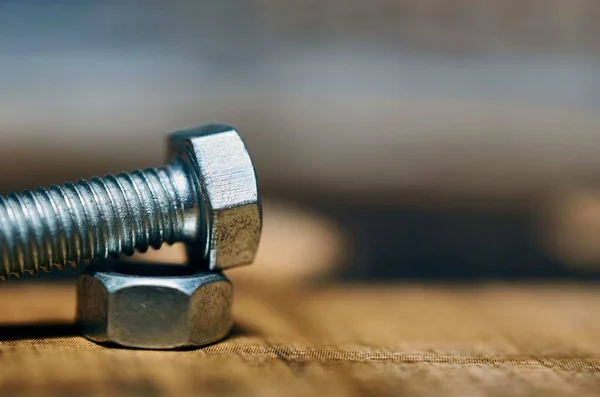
[[228, 191], [167, 309], [92, 307], [148, 315], [210, 311]]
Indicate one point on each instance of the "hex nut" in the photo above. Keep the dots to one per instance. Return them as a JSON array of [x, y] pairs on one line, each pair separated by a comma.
[[230, 206], [153, 306]]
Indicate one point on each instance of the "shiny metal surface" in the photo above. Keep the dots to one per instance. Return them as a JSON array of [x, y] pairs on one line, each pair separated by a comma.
[[153, 306], [229, 199], [206, 197]]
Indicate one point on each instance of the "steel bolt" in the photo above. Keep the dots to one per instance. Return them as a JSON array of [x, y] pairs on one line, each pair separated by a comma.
[[206, 197]]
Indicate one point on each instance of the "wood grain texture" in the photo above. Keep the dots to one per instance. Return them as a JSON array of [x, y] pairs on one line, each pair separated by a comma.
[[329, 340]]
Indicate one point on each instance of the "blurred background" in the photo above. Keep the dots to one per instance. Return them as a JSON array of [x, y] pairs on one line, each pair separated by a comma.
[[408, 139]]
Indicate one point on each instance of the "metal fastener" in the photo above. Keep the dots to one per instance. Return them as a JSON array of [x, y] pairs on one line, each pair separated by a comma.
[[153, 306], [206, 197]]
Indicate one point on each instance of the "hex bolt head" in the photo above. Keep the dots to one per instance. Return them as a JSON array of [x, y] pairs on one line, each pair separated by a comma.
[[229, 198], [206, 197], [153, 306]]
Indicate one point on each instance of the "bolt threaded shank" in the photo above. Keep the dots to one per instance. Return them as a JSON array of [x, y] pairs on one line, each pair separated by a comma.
[[94, 219]]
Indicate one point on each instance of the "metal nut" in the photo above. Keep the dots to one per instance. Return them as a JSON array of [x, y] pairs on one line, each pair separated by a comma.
[[153, 306], [230, 204]]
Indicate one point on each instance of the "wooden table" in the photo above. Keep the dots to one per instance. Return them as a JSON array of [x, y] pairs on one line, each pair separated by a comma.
[[301, 339]]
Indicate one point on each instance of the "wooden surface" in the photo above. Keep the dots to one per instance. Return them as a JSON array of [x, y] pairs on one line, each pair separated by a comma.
[[298, 340]]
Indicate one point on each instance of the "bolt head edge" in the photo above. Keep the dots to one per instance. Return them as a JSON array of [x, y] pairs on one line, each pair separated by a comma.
[[228, 193]]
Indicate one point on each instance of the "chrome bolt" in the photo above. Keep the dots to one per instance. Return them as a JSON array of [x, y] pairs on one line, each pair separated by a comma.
[[206, 197]]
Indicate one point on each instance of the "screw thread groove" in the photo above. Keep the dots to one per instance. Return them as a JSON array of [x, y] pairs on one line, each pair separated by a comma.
[[90, 219]]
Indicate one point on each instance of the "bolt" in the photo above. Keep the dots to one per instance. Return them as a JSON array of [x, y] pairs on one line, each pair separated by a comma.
[[206, 197]]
